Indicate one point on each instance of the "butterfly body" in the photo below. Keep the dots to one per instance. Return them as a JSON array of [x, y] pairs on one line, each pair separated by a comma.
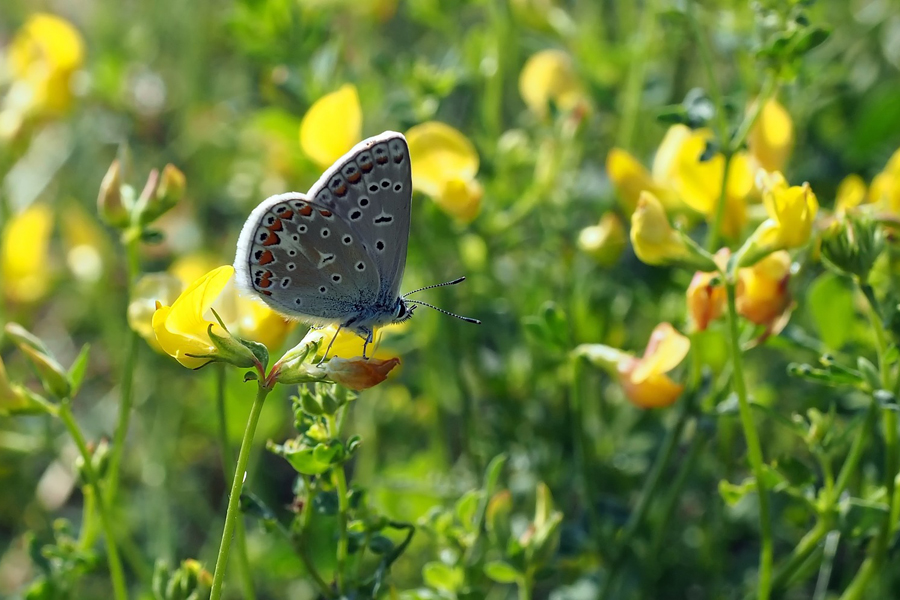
[[336, 254]]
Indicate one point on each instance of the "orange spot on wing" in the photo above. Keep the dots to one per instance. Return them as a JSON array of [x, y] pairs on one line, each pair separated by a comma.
[[271, 240], [382, 160], [355, 177], [266, 257], [325, 213], [366, 166], [306, 210], [287, 215], [341, 190], [266, 292], [266, 280], [276, 226]]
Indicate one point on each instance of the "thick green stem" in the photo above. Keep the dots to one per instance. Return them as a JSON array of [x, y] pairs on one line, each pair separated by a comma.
[[340, 482], [117, 575], [580, 442], [754, 450], [525, 584], [246, 575], [231, 514]]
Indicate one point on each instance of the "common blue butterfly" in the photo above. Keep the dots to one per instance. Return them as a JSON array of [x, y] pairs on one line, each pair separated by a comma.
[[336, 254]]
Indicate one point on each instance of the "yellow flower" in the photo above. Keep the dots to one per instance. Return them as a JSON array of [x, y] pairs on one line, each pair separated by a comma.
[[645, 380], [706, 295], [885, 189], [631, 178], [182, 329], [762, 293], [699, 183], [549, 76], [655, 241], [444, 164], [772, 137], [851, 192], [605, 241], [791, 210], [24, 256], [41, 59], [149, 290], [331, 126]]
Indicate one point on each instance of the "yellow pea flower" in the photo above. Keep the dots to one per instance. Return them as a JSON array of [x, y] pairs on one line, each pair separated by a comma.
[[24, 255], [630, 178], [762, 292], [885, 189], [772, 137], [184, 333], [549, 76], [645, 380], [331, 126], [699, 183], [655, 241], [851, 192], [149, 290], [605, 241], [792, 211], [444, 164], [41, 59]]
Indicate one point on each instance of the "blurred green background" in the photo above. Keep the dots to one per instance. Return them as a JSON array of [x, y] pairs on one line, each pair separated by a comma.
[[219, 90]]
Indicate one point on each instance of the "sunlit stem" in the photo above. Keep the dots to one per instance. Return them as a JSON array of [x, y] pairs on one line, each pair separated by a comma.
[[231, 514], [335, 424], [754, 450], [117, 575]]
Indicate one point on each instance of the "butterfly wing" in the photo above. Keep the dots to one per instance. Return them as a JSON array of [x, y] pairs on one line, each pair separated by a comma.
[[370, 187], [305, 260]]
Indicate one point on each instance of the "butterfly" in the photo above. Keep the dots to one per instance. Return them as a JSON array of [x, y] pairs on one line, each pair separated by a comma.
[[336, 254]]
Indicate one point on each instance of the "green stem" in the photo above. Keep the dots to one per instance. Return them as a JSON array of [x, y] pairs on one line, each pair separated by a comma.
[[754, 450], [706, 58], [712, 239], [324, 588], [580, 442], [768, 89], [120, 592], [88, 534], [335, 424], [245, 574], [525, 584], [237, 483], [637, 70]]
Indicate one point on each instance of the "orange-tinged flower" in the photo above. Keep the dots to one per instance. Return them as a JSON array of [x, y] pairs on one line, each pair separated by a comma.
[[605, 241], [706, 296], [444, 164], [549, 76], [359, 373], [645, 380], [762, 292], [182, 329], [24, 254], [772, 137], [331, 126]]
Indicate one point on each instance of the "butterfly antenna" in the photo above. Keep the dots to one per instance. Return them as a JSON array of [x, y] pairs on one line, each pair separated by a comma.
[[446, 312], [428, 287]]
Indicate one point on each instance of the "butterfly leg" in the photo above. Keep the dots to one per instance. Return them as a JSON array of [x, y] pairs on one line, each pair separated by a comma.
[[368, 341], [330, 344]]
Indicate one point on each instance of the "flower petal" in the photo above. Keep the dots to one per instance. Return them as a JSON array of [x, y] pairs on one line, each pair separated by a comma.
[[665, 351], [359, 373], [439, 153], [24, 263], [331, 126]]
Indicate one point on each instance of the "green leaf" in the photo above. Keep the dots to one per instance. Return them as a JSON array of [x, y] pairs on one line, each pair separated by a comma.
[[78, 369], [501, 572], [381, 544], [467, 509], [830, 301], [442, 577]]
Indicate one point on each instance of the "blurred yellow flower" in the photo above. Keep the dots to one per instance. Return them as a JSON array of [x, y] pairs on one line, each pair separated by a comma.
[[655, 241], [151, 288], [549, 76], [792, 211], [706, 295], [851, 192], [331, 126], [41, 59], [645, 380], [605, 241], [772, 137], [884, 192], [699, 183], [631, 178], [762, 292], [444, 164], [86, 244], [24, 256]]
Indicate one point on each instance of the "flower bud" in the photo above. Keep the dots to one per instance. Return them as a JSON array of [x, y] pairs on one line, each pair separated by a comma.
[[359, 373], [232, 350], [762, 291], [110, 204], [99, 462], [706, 295], [18, 400], [169, 190], [656, 242], [852, 244]]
